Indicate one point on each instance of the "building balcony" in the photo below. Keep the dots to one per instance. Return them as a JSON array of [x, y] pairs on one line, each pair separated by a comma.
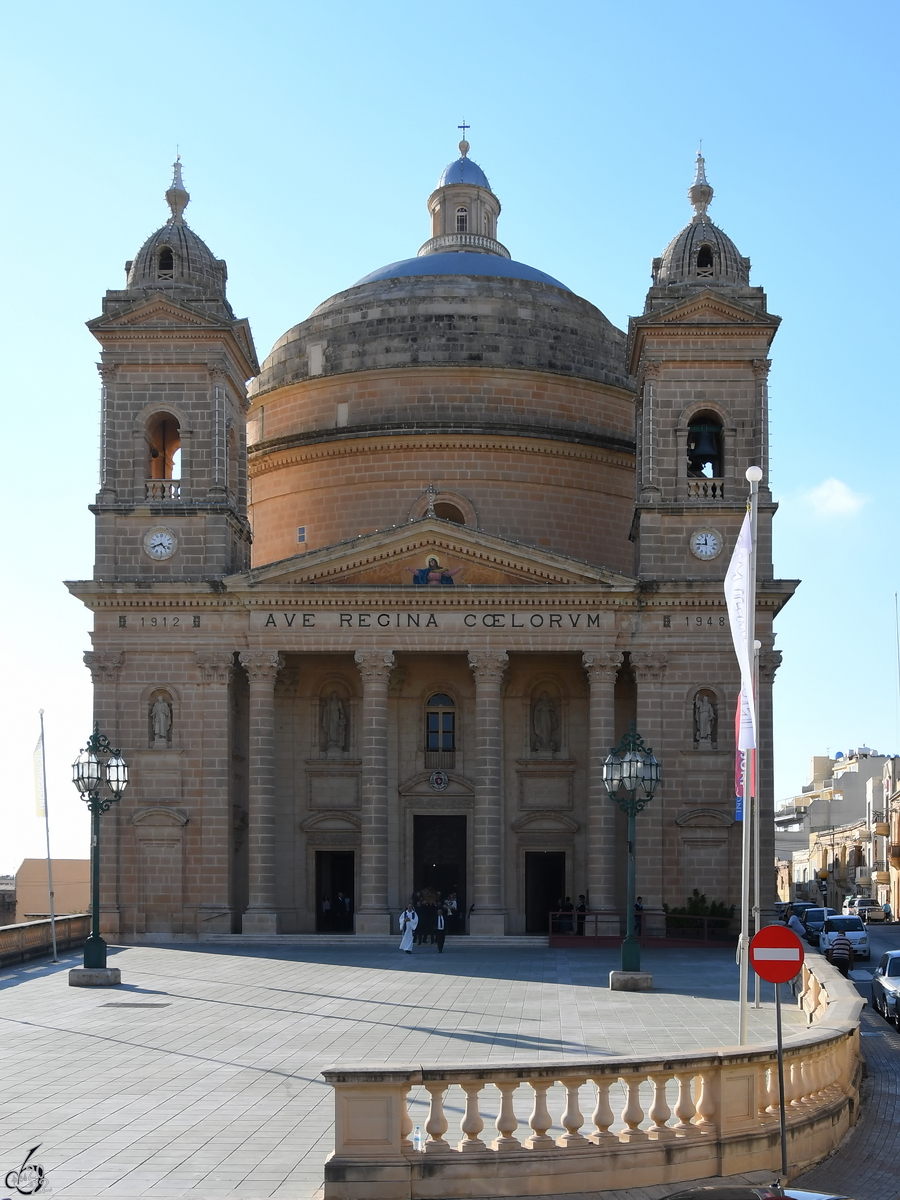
[[440, 760], [705, 490], [463, 241], [161, 490]]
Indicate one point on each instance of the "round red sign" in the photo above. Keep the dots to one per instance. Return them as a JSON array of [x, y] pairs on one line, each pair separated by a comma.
[[776, 953]]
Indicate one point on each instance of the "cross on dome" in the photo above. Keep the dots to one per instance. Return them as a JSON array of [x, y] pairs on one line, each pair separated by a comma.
[[464, 145]]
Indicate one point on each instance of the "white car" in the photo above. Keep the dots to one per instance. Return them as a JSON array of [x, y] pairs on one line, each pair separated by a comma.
[[886, 987], [852, 928]]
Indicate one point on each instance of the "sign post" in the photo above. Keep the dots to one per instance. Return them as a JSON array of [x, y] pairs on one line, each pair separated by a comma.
[[776, 955]]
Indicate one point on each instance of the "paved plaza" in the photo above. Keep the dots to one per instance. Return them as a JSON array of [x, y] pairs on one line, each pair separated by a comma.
[[200, 1076]]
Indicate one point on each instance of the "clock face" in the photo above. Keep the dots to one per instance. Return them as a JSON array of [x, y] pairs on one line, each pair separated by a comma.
[[160, 544], [706, 543]]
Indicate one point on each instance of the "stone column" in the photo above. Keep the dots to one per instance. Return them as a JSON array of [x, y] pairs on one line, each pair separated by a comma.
[[213, 882], [106, 668], [489, 917], [373, 915], [650, 671], [262, 667], [602, 667]]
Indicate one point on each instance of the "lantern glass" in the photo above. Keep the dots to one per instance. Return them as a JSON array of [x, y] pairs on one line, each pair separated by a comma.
[[117, 774], [631, 770], [612, 773], [86, 772], [650, 774]]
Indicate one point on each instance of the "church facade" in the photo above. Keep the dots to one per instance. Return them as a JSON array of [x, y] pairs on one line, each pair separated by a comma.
[[370, 623]]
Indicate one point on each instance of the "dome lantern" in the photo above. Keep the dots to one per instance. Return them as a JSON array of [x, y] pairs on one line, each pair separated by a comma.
[[464, 210]]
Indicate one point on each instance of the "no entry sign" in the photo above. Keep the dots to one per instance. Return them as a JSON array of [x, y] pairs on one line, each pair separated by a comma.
[[776, 953]]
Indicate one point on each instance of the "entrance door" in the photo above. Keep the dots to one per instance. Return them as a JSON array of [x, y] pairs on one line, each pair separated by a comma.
[[439, 862], [334, 880], [545, 886]]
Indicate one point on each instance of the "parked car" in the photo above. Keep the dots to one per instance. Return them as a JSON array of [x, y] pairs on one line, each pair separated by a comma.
[[727, 1191], [869, 910], [886, 987], [854, 930], [848, 908], [814, 921]]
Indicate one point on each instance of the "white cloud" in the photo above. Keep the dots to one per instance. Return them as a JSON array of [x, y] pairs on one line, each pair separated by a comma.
[[832, 498]]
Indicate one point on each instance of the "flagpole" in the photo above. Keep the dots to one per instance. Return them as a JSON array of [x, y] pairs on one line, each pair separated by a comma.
[[753, 476], [47, 829], [757, 886]]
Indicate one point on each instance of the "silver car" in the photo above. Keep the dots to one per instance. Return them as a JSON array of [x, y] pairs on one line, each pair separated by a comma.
[[886, 987], [852, 928]]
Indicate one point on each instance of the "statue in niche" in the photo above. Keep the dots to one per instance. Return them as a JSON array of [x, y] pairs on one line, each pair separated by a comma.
[[161, 721], [334, 723], [545, 724], [706, 720]]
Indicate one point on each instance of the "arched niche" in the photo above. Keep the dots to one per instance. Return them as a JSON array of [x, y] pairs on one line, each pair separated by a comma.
[[705, 711]]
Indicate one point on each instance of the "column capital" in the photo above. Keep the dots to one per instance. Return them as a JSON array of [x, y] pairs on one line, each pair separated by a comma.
[[107, 371], [374, 666], [215, 666], [261, 664], [488, 666], [602, 665], [761, 368], [649, 664], [769, 662], [104, 665]]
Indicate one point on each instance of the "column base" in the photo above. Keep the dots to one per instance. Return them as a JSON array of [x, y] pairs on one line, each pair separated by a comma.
[[630, 981], [374, 924], [94, 977], [487, 924], [258, 920]]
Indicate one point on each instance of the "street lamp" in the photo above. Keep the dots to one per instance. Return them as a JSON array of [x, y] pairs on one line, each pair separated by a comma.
[[631, 768], [89, 772]]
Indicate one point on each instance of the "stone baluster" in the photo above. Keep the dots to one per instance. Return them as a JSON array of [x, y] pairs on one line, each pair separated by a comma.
[[471, 1124], [705, 1119], [684, 1105], [507, 1123], [436, 1125], [601, 667], [216, 671], [488, 667], [540, 1119], [632, 1114], [660, 1112], [572, 1120], [796, 1082], [602, 1115], [772, 1107], [406, 1124], [373, 914], [262, 667], [650, 672], [762, 1091]]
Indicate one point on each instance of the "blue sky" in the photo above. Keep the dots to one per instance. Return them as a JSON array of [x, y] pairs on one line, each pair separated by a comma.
[[311, 136]]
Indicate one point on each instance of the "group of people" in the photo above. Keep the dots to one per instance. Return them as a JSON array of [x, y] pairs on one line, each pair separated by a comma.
[[337, 914], [569, 917], [428, 917]]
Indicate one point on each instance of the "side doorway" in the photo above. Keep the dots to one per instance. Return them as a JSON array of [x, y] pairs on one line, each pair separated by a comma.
[[335, 897], [545, 886]]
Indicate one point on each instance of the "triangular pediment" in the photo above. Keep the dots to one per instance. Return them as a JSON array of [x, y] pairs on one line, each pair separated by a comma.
[[157, 312], [706, 308], [402, 555]]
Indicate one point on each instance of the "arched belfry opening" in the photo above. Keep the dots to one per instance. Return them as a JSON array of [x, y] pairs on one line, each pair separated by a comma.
[[705, 447], [164, 439], [165, 263], [705, 260]]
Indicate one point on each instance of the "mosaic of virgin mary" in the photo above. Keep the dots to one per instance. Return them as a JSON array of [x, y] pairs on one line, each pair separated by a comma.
[[433, 574]]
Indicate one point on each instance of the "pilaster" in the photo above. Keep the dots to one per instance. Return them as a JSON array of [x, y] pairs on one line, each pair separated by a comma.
[[649, 668], [489, 916], [262, 667], [216, 669], [602, 667], [373, 915], [106, 671]]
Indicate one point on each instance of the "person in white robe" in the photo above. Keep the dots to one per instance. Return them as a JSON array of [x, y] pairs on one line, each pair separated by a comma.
[[409, 921]]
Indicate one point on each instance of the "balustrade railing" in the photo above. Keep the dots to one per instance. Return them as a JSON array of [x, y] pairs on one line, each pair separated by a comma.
[[706, 489], [32, 938], [162, 489], [523, 1128]]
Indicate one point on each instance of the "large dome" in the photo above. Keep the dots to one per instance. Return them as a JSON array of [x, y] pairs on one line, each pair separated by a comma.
[[702, 253], [459, 262], [463, 170]]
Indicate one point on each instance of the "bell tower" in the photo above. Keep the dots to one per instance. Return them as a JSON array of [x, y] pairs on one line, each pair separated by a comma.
[[700, 354], [172, 502]]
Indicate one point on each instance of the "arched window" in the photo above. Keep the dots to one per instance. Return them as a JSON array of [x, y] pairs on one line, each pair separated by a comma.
[[448, 512], [164, 438], [440, 731], [462, 220], [705, 447], [705, 261], [165, 263]]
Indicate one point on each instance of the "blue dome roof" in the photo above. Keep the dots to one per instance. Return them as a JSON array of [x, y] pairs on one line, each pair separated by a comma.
[[461, 262], [464, 171]]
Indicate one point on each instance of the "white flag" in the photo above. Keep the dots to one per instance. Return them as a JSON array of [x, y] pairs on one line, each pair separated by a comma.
[[40, 800], [738, 598]]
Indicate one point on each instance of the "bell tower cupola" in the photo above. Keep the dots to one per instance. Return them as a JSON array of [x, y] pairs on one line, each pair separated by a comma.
[[464, 210]]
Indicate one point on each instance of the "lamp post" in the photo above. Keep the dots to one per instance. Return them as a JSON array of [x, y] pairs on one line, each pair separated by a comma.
[[632, 769], [89, 773]]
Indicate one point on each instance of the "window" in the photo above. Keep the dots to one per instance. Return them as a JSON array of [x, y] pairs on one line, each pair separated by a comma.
[[705, 260], [448, 512], [704, 447], [462, 220], [301, 535], [165, 263], [440, 731]]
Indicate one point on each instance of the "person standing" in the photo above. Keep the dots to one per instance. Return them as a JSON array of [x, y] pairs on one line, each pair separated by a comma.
[[794, 923], [440, 930], [840, 954], [566, 923], [580, 911], [326, 913], [409, 923], [638, 914], [886, 908]]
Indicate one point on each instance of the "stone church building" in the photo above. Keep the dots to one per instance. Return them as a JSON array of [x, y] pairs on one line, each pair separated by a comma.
[[368, 617]]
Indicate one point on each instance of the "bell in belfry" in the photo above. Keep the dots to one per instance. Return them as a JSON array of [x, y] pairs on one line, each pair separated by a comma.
[[703, 451]]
